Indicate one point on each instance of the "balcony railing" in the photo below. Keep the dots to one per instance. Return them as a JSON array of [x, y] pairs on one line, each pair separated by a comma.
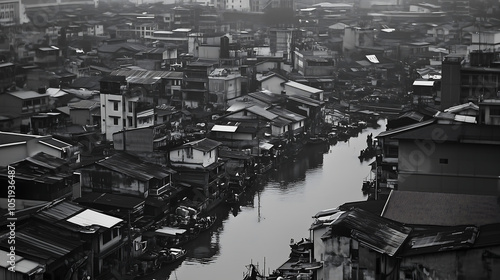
[[159, 191]]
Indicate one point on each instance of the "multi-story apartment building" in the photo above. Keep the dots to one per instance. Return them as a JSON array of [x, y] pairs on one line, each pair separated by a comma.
[[462, 82], [195, 84], [122, 107], [223, 85]]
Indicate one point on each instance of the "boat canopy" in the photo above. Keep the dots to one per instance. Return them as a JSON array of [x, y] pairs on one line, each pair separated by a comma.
[[170, 231]]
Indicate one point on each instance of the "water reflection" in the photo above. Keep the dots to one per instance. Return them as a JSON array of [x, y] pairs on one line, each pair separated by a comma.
[[279, 207]]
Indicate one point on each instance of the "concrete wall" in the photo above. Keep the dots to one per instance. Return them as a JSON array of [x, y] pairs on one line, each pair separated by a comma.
[[449, 168]]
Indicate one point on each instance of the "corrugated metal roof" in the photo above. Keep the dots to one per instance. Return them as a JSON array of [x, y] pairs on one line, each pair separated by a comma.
[[261, 112], [46, 160], [303, 87], [146, 74], [204, 144], [59, 212], [425, 241], [84, 104], [379, 234], [133, 167], [44, 242], [287, 114]]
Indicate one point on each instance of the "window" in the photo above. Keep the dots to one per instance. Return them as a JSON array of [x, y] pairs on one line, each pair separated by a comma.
[[115, 105], [129, 119], [130, 107], [443, 160], [106, 236], [189, 153], [116, 232], [115, 120]]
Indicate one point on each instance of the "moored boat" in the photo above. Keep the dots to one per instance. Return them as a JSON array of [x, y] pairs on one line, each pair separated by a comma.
[[171, 255]]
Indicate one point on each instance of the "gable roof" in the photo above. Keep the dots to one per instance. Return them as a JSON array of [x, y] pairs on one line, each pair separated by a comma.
[[261, 112], [205, 145], [461, 107], [303, 87], [287, 114], [443, 209]]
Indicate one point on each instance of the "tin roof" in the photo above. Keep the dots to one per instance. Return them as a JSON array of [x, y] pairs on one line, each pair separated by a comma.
[[135, 168], [58, 212], [204, 144], [303, 87], [46, 160], [146, 74], [379, 234], [433, 240], [43, 242], [287, 114], [261, 112]]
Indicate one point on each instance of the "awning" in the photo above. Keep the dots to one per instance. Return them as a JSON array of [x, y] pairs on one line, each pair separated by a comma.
[[423, 83], [170, 231], [224, 128]]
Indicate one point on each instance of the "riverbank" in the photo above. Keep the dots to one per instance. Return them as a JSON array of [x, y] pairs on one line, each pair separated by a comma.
[[278, 209]]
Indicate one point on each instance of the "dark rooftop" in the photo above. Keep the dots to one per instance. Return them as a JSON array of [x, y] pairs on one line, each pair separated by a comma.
[[444, 209], [133, 167], [377, 233], [204, 144]]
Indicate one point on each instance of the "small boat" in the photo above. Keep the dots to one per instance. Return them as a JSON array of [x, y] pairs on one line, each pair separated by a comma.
[[171, 255], [146, 264]]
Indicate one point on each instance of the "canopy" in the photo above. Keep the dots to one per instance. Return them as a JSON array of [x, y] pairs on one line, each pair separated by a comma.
[[170, 231]]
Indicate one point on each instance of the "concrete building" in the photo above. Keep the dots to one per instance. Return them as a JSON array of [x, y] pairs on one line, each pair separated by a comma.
[[223, 85]]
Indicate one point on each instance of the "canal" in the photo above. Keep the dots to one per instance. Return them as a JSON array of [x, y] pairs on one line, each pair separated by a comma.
[[277, 210]]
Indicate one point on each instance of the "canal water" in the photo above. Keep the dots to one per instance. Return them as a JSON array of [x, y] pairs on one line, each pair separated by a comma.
[[277, 210]]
